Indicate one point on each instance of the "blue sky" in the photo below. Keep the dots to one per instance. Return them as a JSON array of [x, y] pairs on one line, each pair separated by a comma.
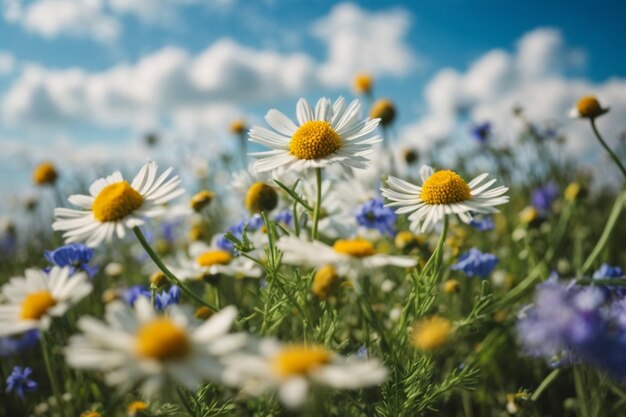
[[71, 77]]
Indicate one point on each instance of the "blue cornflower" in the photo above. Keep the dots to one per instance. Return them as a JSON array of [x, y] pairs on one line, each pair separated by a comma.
[[475, 263], [133, 293], [374, 215], [75, 255], [543, 197], [482, 223], [572, 323], [254, 223], [12, 345], [19, 381], [481, 131], [285, 217], [362, 353], [608, 271], [166, 298]]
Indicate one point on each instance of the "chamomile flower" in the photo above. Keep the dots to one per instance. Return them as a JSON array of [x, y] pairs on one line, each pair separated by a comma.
[[332, 134], [34, 299], [358, 253], [292, 369], [443, 193], [114, 205], [205, 260], [147, 349]]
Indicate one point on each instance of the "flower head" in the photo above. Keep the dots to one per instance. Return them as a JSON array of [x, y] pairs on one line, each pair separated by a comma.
[[482, 223], [587, 107], [431, 333], [292, 369], [544, 196], [475, 263], [363, 83], [45, 174], [237, 127], [333, 134], [35, 299], [374, 215], [74, 255], [443, 193], [143, 347], [19, 381], [115, 204], [201, 200], [384, 110], [481, 131]]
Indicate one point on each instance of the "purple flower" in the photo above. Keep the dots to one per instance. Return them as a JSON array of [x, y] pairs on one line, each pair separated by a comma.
[[19, 381], [285, 217], [608, 271], [133, 293], [75, 255], [166, 298], [11, 345], [482, 223], [476, 263], [374, 215], [543, 197], [481, 131]]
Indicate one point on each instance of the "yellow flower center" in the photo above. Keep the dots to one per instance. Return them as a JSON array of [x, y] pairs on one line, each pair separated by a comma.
[[36, 304], [161, 339], [214, 257], [261, 197], [116, 201], [324, 280], [363, 83], [136, 406], [45, 173], [314, 140], [90, 414], [384, 110], [238, 127], [445, 187], [429, 334], [299, 360], [359, 248], [201, 200], [588, 106]]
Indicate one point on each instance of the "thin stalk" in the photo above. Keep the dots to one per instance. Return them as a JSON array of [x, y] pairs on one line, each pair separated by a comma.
[[318, 202], [45, 347], [544, 384], [168, 274], [606, 147], [580, 392], [606, 233]]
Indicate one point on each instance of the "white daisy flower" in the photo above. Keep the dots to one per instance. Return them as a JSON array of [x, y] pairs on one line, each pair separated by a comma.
[[292, 369], [443, 193], [334, 133], [205, 260], [115, 205], [34, 299], [147, 349], [356, 253]]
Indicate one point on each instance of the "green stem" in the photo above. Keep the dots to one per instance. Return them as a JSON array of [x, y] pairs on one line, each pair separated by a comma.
[[170, 276], [580, 392], [318, 202], [544, 384], [606, 147], [45, 347], [606, 233]]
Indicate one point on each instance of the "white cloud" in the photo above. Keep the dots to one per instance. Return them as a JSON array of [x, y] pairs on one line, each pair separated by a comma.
[[77, 18], [359, 40], [7, 63], [533, 76]]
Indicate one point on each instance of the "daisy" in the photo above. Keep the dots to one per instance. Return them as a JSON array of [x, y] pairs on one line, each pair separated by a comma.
[[292, 369], [442, 193], [588, 107], [145, 348], [358, 253], [115, 205], [34, 299], [205, 260], [332, 134]]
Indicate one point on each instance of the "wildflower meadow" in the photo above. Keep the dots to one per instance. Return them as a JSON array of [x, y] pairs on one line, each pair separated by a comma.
[[320, 266]]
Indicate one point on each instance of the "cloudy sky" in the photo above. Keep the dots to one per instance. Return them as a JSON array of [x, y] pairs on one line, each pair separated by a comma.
[[82, 80]]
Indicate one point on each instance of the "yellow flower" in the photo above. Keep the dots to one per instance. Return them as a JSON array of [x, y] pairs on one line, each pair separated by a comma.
[[530, 216], [363, 83], [238, 127], [90, 414], [451, 286], [45, 174], [157, 279], [588, 107], [201, 200], [384, 110], [432, 333], [573, 191], [261, 197], [136, 407], [324, 280]]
